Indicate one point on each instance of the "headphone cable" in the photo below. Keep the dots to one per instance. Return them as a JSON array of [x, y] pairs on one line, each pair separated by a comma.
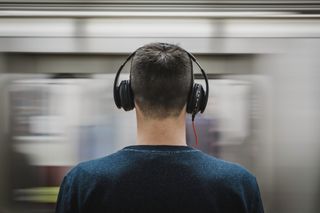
[[194, 129]]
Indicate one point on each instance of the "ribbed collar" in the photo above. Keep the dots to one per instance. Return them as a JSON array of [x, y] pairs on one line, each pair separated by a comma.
[[159, 148]]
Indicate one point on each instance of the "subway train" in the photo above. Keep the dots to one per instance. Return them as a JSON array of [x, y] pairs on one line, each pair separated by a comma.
[[58, 60]]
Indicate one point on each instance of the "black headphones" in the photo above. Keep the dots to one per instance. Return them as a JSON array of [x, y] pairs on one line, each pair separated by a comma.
[[197, 100]]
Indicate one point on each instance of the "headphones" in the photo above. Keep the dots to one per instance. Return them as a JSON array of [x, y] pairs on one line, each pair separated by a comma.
[[197, 99]]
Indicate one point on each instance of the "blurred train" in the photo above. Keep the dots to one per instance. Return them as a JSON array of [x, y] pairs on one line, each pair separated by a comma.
[[57, 65]]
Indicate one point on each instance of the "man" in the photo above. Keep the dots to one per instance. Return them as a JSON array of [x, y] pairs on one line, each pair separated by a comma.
[[161, 173]]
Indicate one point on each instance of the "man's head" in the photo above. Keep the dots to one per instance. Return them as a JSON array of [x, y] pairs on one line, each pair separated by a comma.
[[161, 79]]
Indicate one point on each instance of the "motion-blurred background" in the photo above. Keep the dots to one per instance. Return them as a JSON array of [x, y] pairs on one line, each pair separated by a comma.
[[57, 64]]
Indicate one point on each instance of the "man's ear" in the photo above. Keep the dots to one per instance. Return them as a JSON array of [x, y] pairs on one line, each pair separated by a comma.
[[136, 106], [138, 110], [183, 111]]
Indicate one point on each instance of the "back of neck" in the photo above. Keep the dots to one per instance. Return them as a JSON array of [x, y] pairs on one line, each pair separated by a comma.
[[170, 131]]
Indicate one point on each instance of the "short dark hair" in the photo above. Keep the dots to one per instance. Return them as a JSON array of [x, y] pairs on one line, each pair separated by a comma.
[[161, 79]]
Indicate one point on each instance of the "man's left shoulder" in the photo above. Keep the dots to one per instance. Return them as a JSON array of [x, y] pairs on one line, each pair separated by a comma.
[[93, 168]]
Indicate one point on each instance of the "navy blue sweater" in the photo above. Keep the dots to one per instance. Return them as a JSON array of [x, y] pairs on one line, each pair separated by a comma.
[[167, 179]]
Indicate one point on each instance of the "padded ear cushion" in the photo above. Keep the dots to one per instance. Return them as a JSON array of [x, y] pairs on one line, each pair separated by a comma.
[[190, 102], [116, 97], [126, 96], [203, 102], [130, 96], [196, 99]]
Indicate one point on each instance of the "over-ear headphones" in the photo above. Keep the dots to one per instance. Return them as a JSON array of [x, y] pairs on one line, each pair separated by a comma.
[[197, 99]]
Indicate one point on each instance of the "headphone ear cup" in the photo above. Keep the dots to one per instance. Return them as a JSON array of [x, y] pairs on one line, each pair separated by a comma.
[[196, 99], [126, 95]]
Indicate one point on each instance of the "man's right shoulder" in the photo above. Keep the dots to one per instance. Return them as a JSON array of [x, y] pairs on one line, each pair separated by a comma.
[[226, 171], [233, 180]]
